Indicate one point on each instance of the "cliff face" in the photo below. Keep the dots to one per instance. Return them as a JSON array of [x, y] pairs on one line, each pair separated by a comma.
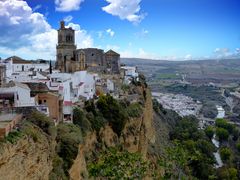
[[28, 159], [137, 134]]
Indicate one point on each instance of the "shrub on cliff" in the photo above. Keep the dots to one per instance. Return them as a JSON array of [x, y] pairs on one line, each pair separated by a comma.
[[79, 119], [113, 112], [43, 122], [225, 153], [222, 123], [69, 136], [222, 134], [134, 110], [116, 164], [209, 131]]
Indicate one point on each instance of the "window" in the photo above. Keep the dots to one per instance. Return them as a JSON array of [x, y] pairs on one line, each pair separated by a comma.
[[40, 102], [45, 101], [92, 54]]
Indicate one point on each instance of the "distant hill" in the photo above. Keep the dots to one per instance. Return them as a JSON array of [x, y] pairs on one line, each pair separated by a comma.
[[196, 71]]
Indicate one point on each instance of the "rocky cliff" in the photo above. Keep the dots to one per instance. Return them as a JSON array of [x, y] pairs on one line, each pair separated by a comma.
[[29, 158], [136, 136]]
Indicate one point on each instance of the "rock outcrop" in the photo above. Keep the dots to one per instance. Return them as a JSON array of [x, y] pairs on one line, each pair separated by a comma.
[[137, 134], [27, 159]]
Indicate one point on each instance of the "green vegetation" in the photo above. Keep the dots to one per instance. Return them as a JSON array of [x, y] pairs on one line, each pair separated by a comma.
[[43, 122], [80, 119], [106, 110], [225, 153], [197, 146], [57, 171], [113, 112], [13, 137], [116, 164], [222, 123], [222, 134], [167, 76], [174, 162], [209, 131], [227, 173], [69, 136]]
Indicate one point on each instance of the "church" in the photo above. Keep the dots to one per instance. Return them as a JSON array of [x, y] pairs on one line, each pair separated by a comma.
[[69, 59]]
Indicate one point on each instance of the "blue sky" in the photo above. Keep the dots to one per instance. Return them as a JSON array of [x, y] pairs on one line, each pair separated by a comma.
[[156, 29]]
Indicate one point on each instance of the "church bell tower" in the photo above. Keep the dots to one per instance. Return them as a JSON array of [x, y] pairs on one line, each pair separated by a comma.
[[65, 48]]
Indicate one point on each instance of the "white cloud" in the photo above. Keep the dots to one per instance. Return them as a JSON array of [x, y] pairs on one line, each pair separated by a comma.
[[110, 32], [142, 34], [222, 52], [67, 5], [68, 18], [141, 53], [100, 34], [125, 9], [27, 34], [39, 6], [188, 57], [113, 47], [225, 53], [82, 38]]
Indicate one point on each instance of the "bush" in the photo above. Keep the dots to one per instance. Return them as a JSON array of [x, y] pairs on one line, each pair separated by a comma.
[[57, 171], [43, 122], [209, 131], [222, 123], [79, 119], [13, 137], [113, 112], [238, 146], [227, 173], [222, 134], [134, 110], [115, 164], [69, 136], [225, 153]]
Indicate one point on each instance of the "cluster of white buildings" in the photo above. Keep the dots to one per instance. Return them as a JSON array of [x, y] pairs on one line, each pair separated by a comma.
[[71, 87], [182, 104], [35, 84]]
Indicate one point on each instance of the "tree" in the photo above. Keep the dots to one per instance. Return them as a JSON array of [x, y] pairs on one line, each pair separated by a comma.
[[222, 134], [69, 136], [227, 173], [43, 122], [225, 153], [79, 119], [209, 131], [238, 146], [222, 123], [113, 112]]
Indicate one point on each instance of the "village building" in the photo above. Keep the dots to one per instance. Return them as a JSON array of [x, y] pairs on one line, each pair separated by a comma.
[[129, 73], [8, 122], [2, 75], [70, 59], [15, 94], [54, 103]]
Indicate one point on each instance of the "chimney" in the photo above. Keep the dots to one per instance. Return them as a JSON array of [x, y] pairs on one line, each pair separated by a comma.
[[62, 24]]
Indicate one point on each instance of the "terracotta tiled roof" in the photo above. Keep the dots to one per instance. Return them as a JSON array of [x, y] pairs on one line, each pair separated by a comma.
[[18, 60]]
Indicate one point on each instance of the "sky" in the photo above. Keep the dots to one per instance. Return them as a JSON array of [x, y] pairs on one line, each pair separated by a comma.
[[153, 29]]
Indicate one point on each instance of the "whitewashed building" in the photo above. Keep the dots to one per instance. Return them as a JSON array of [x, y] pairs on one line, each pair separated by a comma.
[[17, 95], [129, 73]]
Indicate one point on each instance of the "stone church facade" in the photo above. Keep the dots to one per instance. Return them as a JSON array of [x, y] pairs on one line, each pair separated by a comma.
[[70, 59]]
